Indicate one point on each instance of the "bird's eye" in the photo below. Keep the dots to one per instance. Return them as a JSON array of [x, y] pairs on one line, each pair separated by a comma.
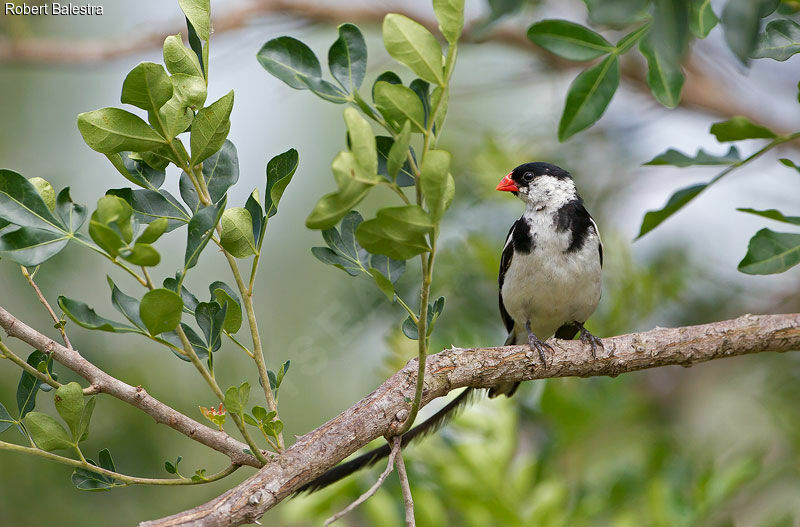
[[528, 176]]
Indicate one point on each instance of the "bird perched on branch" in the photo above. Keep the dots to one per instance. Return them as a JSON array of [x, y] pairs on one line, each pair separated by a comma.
[[549, 281]]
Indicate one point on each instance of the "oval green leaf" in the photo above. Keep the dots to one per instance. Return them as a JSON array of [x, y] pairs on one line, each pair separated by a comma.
[[160, 310]]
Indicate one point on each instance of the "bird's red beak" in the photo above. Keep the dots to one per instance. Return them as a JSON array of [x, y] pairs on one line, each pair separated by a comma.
[[507, 184]]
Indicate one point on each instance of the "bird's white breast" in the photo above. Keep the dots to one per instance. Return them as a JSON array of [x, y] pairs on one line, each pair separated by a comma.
[[549, 286]]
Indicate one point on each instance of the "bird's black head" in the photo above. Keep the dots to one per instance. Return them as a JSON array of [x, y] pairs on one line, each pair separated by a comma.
[[539, 182]]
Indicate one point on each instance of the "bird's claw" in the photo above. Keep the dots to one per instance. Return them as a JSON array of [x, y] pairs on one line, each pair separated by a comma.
[[539, 346], [593, 341]]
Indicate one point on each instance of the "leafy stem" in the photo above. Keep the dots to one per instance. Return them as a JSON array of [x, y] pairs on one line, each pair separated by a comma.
[[110, 258]]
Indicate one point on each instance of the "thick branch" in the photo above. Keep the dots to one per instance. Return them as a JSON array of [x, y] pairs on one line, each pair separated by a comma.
[[373, 416], [700, 91], [101, 382]]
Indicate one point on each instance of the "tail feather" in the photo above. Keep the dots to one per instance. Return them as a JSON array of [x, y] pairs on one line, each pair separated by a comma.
[[429, 426]]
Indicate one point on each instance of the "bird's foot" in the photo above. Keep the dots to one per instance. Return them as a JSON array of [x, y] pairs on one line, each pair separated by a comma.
[[539, 346], [593, 341]]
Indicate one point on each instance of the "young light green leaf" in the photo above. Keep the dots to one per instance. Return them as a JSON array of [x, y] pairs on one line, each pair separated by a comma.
[[147, 86], [409, 43], [655, 217], [210, 128], [111, 130], [771, 252], [334, 206], [362, 144], [280, 170], [86, 317], [237, 232], [153, 231], [773, 214], [189, 91], [437, 184], [398, 153], [702, 18], [738, 128], [383, 283], [236, 398], [780, 41], [150, 205], [45, 190], [405, 177], [180, 59], [160, 310], [69, 404], [450, 14], [201, 227], [387, 76], [588, 97], [347, 57], [663, 75], [399, 104], [46, 432], [198, 12], [569, 40], [141, 254], [679, 159], [397, 232]]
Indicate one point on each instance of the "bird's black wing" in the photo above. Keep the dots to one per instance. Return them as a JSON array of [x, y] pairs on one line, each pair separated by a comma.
[[505, 263]]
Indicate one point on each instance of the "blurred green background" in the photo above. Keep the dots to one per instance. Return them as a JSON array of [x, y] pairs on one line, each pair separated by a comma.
[[716, 444]]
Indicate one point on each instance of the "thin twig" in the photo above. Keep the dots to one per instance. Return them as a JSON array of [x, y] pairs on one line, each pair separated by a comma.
[[44, 302], [408, 501], [373, 489]]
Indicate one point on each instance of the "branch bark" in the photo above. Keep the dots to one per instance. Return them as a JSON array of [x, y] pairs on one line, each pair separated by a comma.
[[373, 416], [700, 91], [102, 382]]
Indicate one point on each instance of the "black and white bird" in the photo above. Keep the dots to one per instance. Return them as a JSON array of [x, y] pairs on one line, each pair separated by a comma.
[[550, 269], [549, 281]]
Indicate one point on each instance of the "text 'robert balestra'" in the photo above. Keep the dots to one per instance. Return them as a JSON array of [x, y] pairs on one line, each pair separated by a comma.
[[53, 9]]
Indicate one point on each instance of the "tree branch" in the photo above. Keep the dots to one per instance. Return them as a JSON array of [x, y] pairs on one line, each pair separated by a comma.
[[700, 91], [373, 416], [102, 382]]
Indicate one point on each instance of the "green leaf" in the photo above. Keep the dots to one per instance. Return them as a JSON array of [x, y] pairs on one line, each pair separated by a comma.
[[399, 104], [257, 215], [773, 214], [226, 298], [21, 204], [280, 170], [398, 153], [151, 205], [153, 231], [137, 172], [30, 247], [771, 252], [141, 254], [679, 159], [197, 47], [385, 145], [362, 144], [237, 232], [45, 190], [450, 14], [221, 171], [654, 218], [71, 214], [210, 317], [201, 227], [190, 92], [391, 269], [198, 12], [160, 310], [236, 398], [5, 419], [281, 374], [702, 18], [383, 283], [789, 163], [210, 128], [70, 405], [387, 76], [409, 43], [741, 21], [347, 57], [86, 417], [436, 182], [780, 41], [629, 40], [46, 432], [343, 250], [663, 75], [588, 97], [411, 330], [334, 206], [739, 128], [28, 385], [189, 300], [670, 32], [127, 305], [397, 232], [616, 13], [180, 59], [569, 40], [85, 317], [148, 87], [111, 130], [88, 480]]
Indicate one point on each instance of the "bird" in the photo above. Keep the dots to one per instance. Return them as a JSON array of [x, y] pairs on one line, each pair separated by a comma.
[[549, 283]]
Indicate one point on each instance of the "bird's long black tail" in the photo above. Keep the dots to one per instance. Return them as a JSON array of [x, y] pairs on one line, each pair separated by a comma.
[[429, 426]]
